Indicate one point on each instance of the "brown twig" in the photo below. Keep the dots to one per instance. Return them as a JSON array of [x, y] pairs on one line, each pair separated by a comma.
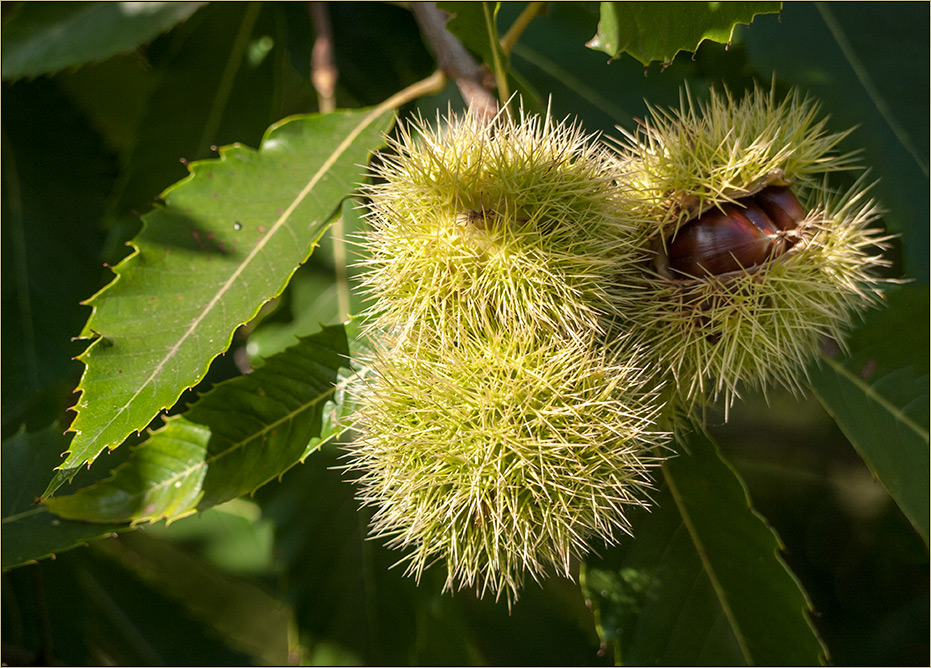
[[323, 72], [454, 60]]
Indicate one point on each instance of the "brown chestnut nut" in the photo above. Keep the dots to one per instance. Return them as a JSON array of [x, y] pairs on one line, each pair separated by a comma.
[[781, 205], [737, 236]]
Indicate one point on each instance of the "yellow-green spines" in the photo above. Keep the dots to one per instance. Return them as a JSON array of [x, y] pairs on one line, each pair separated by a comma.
[[511, 224], [502, 456], [497, 435], [763, 324], [706, 153]]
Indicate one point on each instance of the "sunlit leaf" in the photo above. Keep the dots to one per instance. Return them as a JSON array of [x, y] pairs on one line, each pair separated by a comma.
[[651, 31], [242, 434], [226, 240], [702, 582], [879, 397], [45, 37]]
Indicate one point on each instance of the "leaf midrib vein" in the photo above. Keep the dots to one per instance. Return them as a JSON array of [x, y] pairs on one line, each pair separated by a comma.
[[235, 446], [282, 219], [708, 568], [871, 394]]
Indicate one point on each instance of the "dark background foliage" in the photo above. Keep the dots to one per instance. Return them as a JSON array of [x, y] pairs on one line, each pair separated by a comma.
[[286, 575]]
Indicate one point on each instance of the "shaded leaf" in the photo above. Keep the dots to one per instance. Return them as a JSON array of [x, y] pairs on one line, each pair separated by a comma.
[[93, 609], [658, 31], [879, 398], [830, 50], [385, 28], [349, 600], [242, 434], [211, 83], [29, 531], [242, 616], [468, 23], [50, 242], [345, 595], [226, 240], [703, 582], [45, 37], [552, 57], [231, 536]]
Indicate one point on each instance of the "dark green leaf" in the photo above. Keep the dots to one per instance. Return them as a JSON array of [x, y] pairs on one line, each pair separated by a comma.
[[345, 594], [212, 82], [242, 434], [45, 37], [30, 532], [226, 240], [104, 607], [349, 600], [468, 23], [835, 51], [879, 397], [577, 81], [244, 617], [50, 247], [385, 28], [702, 582], [651, 31]]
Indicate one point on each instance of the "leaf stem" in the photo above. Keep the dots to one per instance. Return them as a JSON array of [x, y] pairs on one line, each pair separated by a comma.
[[432, 84], [520, 24], [501, 79]]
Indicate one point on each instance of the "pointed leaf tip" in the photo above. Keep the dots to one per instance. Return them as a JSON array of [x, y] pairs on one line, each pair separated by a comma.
[[237, 437], [193, 278]]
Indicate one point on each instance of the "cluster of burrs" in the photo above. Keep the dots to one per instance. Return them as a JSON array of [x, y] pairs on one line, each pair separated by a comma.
[[542, 306]]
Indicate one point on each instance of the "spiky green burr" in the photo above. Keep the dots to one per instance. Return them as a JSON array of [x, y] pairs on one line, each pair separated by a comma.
[[501, 456], [762, 325], [496, 433], [512, 224]]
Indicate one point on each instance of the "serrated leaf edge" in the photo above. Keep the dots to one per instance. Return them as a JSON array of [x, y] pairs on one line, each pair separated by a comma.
[[366, 121], [205, 463], [709, 569]]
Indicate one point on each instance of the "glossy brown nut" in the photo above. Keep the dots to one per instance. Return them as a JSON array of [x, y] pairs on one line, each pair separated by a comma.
[[782, 207], [723, 240]]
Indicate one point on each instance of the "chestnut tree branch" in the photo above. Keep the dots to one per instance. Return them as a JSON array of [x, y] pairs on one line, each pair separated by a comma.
[[454, 60], [323, 72]]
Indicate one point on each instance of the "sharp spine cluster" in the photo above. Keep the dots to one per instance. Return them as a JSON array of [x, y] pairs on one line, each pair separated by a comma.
[[759, 326], [498, 433], [524, 347]]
